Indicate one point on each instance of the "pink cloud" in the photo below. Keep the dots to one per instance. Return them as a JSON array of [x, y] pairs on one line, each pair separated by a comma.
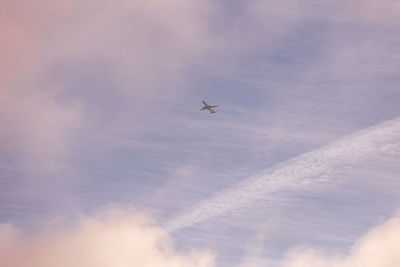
[[144, 46], [115, 238]]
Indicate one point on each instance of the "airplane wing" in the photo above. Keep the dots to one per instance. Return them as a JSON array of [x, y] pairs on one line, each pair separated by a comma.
[[206, 106]]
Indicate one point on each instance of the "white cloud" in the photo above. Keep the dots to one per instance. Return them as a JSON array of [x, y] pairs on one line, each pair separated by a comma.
[[115, 238], [378, 248]]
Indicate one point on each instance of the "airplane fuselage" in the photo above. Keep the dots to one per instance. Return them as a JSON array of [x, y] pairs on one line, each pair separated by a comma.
[[209, 107]]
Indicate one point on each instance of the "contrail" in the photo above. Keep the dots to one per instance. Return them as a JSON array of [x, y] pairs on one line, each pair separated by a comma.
[[296, 171]]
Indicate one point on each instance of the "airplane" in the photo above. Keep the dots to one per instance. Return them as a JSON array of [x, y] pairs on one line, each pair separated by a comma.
[[210, 108]]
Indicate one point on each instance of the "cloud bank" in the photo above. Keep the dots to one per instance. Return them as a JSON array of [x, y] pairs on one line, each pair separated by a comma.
[[298, 171], [115, 238], [120, 239], [378, 248]]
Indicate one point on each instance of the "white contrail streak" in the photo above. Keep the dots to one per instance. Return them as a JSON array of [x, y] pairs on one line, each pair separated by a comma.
[[299, 170]]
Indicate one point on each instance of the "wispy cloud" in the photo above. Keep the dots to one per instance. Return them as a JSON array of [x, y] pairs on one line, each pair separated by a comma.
[[301, 170]]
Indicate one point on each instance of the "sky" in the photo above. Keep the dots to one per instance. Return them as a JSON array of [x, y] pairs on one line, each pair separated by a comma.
[[107, 160]]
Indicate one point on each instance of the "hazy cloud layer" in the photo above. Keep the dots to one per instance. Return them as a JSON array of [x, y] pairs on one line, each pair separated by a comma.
[[104, 96], [144, 44], [49, 47]]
